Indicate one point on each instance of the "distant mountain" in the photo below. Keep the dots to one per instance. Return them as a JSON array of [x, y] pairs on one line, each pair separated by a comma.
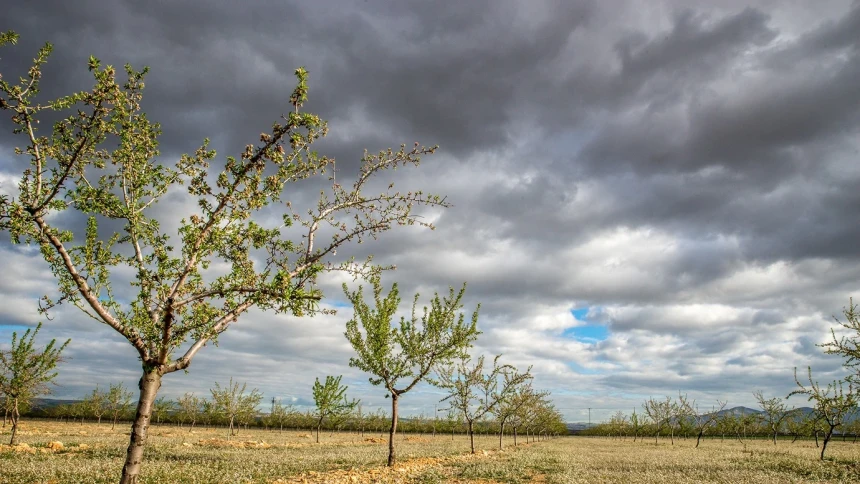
[[48, 403], [752, 411]]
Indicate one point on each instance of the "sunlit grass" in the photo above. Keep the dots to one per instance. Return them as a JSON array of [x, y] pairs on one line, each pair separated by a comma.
[[94, 453]]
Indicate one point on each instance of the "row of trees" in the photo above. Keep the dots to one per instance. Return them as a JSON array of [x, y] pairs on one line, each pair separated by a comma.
[[670, 419], [835, 405], [192, 412]]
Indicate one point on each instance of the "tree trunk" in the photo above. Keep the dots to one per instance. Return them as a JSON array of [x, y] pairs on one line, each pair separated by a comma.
[[471, 437], [699, 437], [515, 436], [816, 438], [393, 430], [16, 416], [501, 432], [825, 441], [149, 384], [774, 437]]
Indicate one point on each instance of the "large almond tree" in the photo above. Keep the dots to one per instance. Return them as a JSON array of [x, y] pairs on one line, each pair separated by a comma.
[[102, 162]]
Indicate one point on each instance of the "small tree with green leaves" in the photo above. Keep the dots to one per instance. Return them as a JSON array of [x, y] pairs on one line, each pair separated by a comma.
[[190, 408], [833, 403], [279, 416], [162, 408], [635, 424], [118, 402], [233, 401], [331, 402], [26, 371], [509, 407], [102, 161], [774, 412], [475, 393], [97, 404], [400, 356]]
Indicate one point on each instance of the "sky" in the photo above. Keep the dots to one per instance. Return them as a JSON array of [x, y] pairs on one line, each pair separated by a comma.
[[649, 197]]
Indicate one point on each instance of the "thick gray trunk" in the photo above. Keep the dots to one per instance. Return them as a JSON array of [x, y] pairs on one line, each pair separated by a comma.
[[393, 430], [150, 382]]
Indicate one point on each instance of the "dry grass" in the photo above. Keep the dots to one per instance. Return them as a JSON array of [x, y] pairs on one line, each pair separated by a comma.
[[61, 453]]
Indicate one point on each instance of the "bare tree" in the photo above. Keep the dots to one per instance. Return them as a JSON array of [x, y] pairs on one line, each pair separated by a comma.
[[224, 262], [660, 412], [473, 393], [848, 346], [25, 372], [832, 403], [232, 400], [701, 421], [401, 356]]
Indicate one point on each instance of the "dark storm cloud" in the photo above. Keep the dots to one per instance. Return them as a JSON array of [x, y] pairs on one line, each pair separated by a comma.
[[686, 170]]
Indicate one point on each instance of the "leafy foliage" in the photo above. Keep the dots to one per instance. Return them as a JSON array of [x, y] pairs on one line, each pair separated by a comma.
[[102, 161], [475, 393], [25, 371], [410, 350], [833, 403], [331, 402], [234, 403]]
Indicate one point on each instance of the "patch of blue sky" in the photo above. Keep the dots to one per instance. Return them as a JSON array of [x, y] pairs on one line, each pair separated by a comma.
[[9, 328], [588, 332]]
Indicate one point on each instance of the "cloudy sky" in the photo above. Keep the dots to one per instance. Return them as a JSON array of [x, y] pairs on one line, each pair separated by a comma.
[[649, 197]]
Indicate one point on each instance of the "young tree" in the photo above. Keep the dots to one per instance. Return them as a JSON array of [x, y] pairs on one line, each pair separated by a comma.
[[775, 411], [224, 262], [190, 408], [401, 356], [161, 408], [25, 372], [509, 408], [700, 421], [232, 402], [97, 404], [118, 401], [832, 404], [848, 346], [475, 394], [330, 399], [279, 416], [635, 424], [660, 412]]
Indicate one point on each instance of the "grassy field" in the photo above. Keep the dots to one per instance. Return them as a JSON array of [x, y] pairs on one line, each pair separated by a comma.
[[67, 453]]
